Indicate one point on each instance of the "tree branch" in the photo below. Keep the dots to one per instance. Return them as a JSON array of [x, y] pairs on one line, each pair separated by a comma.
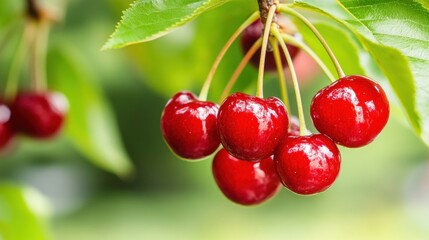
[[33, 11], [264, 7]]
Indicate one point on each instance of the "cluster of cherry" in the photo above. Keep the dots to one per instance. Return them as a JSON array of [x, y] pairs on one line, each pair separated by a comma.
[[39, 115], [35, 112], [264, 146]]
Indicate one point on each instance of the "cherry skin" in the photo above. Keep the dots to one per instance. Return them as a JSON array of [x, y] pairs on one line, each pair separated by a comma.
[[244, 182], [6, 131], [253, 32], [250, 128], [39, 114], [352, 111], [307, 164], [189, 126]]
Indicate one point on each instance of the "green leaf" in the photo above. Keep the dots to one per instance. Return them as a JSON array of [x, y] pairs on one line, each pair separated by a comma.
[[23, 213], [187, 54], [146, 20], [425, 3], [91, 125], [397, 37]]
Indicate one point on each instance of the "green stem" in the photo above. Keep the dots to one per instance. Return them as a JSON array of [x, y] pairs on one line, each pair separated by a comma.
[[260, 88], [237, 72], [302, 127], [280, 72], [286, 9], [16, 64], [206, 86], [291, 40], [38, 64]]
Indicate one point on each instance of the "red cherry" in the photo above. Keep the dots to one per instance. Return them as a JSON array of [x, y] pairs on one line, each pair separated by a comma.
[[352, 111], [253, 32], [189, 126], [307, 164], [39, 115], [6, 131], [245, 182], [250, 128]]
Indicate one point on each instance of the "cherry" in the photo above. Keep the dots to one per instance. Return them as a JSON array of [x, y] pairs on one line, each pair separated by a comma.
[[39, 114], [6, 131], [307, 164], [245, 182], [250, 128], [189, 126], [254, 31], [352, 111]]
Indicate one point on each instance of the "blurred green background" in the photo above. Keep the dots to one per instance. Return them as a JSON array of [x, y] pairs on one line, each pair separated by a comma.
[[382, 191]]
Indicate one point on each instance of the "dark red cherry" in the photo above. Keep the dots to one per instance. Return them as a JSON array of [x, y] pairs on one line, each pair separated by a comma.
[[6, 131], [254, 31], [39, 114], [189, 126], [245, 182], [250, 128], [307, 164], [352, 111]]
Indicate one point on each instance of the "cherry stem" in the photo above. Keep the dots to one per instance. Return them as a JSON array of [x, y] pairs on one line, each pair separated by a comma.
[[240, 68], [291, 40], [286, 9], [280, 71], [302, 127], [206, 86], [38, 63], [260, 88], [15, 67]]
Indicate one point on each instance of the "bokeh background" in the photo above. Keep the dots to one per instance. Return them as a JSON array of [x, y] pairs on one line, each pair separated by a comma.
[[382, 191]]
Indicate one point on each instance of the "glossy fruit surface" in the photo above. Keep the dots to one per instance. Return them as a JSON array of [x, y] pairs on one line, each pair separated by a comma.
[[6, 131], [250, 128], [307, 164], [245, 182], [189, 126], [252, 33], [39, 114], [352, 111]]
